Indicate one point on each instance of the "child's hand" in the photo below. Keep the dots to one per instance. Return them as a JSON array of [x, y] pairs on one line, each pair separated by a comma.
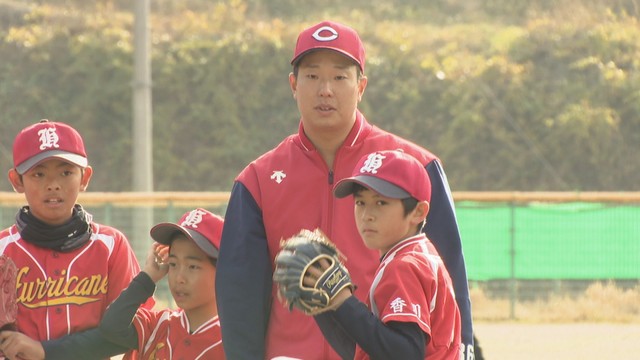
[[156, 265], [315, 272], [19, 346]]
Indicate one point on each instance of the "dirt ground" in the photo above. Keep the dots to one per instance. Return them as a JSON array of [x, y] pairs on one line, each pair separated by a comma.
[[584, 341]]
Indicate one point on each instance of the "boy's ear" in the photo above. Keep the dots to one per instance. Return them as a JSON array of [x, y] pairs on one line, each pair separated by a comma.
[[421, 211], [293, 83], [16, 181], [86, 177]]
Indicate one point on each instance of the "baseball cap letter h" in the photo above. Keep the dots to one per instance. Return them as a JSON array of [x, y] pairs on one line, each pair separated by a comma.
[[47, 139]]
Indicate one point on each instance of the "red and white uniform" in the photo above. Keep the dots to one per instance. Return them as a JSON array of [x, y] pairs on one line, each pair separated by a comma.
[[61, 293], [412, 285], [165, 335]]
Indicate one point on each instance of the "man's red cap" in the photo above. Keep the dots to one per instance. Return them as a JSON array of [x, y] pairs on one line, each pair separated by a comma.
[[333, 36]]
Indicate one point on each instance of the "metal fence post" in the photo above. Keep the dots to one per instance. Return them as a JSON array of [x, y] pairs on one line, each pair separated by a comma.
[[512, 255]]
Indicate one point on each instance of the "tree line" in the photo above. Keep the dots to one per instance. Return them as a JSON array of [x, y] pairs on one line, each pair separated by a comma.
[[510, 96]]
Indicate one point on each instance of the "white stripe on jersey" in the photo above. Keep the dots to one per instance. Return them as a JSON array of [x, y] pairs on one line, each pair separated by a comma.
[[108, 240], [10, 239]]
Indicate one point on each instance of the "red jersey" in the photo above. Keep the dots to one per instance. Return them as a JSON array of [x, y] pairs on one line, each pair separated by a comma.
[[165, 335], [412, 285], [65, 292]]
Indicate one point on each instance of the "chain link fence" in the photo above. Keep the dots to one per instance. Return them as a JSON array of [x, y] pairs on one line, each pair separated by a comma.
[[518, 246]]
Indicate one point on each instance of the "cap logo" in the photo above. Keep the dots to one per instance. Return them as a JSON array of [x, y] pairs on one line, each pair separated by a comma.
[[48, 138], [372, 164], [332, 36], [193, 219]]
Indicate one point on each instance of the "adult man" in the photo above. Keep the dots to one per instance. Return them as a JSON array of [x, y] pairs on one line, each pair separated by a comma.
[[290, 188]]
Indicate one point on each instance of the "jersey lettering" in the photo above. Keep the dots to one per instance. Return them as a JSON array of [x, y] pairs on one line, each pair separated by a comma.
[[153, 354], [416, 310], [397, 305], [470, 352], [60, 291]]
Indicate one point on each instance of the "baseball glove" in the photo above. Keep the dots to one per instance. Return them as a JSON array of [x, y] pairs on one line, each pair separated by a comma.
[[297, 255], [8, 303]]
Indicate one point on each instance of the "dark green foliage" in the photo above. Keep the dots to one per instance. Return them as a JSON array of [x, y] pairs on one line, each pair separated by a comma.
[[511, 95]]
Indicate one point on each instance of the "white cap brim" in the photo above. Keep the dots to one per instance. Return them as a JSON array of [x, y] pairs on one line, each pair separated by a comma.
[[164, 233], [59, 154], [345, 187]]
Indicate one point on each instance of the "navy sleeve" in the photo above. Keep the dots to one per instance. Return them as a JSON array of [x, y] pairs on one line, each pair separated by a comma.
[[117, 322], [243, 278], [395, 340], [84, 345], [115, 335], [335, 334], [442, 229]]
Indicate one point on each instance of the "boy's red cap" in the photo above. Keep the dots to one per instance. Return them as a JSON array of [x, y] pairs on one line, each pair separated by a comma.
[[199, 225], [330, 35], [391, 173], [45, 140]]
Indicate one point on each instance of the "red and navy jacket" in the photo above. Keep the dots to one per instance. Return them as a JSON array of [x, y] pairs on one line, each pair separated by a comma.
[[290, 188]]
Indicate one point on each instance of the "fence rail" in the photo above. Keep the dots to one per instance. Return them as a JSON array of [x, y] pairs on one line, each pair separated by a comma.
[[518, 246], [218, 198], [135, 199]]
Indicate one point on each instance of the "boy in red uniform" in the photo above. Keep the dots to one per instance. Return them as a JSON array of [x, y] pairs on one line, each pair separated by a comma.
[[415, 315], [187, 251], [70, 268]]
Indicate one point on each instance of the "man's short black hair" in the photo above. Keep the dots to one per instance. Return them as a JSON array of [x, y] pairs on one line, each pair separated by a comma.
[[296, 68]]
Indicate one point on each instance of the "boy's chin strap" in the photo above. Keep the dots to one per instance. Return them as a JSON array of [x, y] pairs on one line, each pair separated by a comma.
[[63, 238]]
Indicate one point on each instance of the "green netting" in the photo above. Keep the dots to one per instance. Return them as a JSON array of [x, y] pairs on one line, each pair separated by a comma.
[[582, 241], [550, 241]]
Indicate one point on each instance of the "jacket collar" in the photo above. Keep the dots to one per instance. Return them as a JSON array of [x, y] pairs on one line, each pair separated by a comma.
[[361, 128], [402, 244]]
